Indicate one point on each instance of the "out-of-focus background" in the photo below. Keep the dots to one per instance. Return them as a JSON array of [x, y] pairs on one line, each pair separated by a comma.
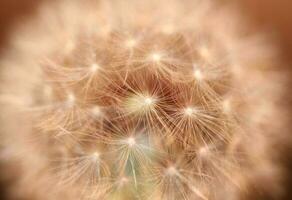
[[272, 16]]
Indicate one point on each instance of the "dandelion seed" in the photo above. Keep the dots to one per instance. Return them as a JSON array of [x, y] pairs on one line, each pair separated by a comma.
[[95, 156], [204, 52], [96, 111], [203, 151], [171, 171], [69, 47], [156, 57], [198, 74], [189, 111], [70, 100], [48, 92], [140, 103], [94, 67], [148, 101], [123, 181], [167, 29], [197, 192], [130, 43], [226, 105], [131, 141]]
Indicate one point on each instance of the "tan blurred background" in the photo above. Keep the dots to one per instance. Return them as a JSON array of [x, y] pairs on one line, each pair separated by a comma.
[[273, 16], [270, 15]]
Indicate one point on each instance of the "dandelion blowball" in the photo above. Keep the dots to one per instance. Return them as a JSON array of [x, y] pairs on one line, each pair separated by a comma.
[[122, 100]]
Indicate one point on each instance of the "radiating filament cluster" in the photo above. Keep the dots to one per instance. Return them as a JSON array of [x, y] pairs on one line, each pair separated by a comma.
[[148, 121]]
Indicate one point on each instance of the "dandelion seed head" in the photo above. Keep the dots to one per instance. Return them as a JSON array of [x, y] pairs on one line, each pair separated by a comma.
[[166, 80]]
